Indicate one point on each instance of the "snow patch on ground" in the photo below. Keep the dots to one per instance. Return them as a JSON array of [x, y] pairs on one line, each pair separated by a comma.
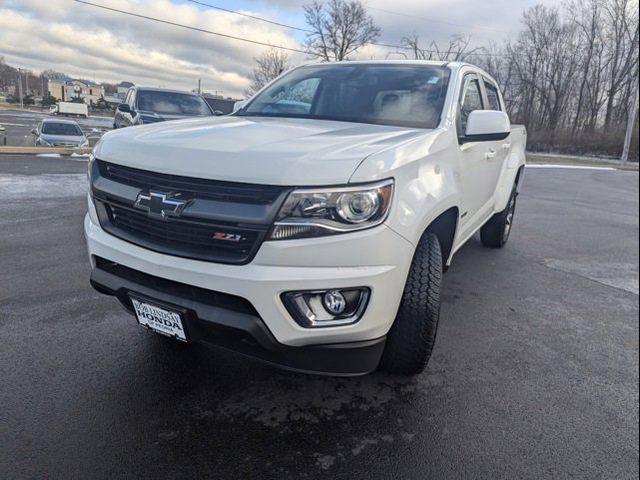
[[23, 187], [79, 157]]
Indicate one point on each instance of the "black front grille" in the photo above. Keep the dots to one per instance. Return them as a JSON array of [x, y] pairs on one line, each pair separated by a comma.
[[181, 236], [223, 222], [191, 187]]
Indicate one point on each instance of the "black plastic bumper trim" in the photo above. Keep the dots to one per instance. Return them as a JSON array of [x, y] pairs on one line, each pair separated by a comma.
[[245, 333]]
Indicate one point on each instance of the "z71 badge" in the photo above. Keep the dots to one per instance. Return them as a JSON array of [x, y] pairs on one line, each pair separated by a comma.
[[227, 237]]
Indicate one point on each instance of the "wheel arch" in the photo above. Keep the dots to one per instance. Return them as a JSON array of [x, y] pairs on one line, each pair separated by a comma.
[[444, 226]]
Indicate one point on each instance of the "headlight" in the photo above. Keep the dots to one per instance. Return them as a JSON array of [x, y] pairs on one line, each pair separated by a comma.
[[327, 211]]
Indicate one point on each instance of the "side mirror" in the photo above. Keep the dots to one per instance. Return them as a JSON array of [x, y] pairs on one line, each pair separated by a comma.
[[486, 126], [217, 113], [34, 131], [124, 107], [238, 105]]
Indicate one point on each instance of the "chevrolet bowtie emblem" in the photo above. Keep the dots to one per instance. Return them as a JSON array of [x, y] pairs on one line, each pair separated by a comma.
[[160, 205]]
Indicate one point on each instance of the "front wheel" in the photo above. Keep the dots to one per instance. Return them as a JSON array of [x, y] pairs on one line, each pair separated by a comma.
[[495, 233], [413, 334]]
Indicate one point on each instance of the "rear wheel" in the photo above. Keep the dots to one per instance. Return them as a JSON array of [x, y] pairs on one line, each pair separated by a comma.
[[495, 233], [412, 337]]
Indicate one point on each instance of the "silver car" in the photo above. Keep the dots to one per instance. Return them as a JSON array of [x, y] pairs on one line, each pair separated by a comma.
[[59, 133]]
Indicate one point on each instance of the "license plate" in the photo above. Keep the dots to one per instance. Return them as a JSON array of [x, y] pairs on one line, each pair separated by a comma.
[[158, 319]]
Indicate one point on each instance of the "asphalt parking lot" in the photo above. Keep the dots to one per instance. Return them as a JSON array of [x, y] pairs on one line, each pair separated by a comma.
[[534, 375], [18, 124]]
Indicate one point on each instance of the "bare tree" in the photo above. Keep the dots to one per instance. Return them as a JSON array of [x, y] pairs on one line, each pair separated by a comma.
[[338, 29], [622, 46], [268, 66], [457, 50], [570, 73]]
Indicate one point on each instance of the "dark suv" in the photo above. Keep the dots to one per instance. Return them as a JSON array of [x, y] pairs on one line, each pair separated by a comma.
[[149, 105]]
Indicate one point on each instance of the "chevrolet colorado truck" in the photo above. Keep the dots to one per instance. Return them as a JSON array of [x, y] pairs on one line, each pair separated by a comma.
[[311, 228]]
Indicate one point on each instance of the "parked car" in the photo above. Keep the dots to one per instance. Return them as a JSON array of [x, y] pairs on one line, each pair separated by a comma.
[[150, 105], [70, 109], [54, 132], [311, 228]]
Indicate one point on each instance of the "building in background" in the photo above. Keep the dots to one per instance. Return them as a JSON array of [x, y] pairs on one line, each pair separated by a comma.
[[121, 90], [65, 89]]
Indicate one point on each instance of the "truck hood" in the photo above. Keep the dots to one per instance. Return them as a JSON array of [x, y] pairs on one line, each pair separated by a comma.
[[274, 151]]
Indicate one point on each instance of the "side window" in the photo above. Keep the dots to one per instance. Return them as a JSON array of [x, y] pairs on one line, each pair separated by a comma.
[[132, 99], [492, 96], [127, 97], [471, 100]]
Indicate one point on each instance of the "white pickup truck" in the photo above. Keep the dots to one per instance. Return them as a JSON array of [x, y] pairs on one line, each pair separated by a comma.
[[311, 228]]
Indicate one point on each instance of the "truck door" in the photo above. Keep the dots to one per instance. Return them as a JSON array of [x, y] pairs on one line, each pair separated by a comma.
[[501, 147], [479, 161]]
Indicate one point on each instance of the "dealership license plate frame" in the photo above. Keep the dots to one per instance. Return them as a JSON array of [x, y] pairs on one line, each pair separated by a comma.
[[176, 313]]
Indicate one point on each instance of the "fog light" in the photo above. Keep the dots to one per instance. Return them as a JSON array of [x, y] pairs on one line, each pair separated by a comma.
[[334, 302], [326, 308]]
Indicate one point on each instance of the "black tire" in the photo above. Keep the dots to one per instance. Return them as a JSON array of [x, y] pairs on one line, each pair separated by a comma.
[[413, 333], [495, 233]]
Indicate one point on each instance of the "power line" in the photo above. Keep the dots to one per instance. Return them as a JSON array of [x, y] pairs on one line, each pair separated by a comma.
[[202, 30], [300, 29], [257, 42], [251, 16], [292, 27]]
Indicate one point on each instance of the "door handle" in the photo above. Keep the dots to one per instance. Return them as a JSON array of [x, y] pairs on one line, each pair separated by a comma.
[[506, 146], [489, 154]]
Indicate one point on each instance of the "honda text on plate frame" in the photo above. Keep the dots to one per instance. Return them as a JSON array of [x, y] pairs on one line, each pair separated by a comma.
[[159, 319]]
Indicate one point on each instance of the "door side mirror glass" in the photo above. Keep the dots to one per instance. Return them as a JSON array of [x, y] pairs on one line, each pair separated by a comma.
[[34, 131], [486, 126], [124, 107]]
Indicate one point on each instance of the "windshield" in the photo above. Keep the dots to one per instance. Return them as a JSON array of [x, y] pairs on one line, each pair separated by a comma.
[[171, 103], [403, 95], [59, 128]]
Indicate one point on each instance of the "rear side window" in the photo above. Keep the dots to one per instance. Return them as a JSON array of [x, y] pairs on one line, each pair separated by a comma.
[[471, 100], [492, 96]]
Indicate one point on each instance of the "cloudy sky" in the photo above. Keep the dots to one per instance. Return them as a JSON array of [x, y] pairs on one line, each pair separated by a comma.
[[89, 42]]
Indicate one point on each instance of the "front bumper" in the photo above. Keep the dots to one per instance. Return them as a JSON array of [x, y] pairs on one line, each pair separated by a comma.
[[377, 258], [232, 323]]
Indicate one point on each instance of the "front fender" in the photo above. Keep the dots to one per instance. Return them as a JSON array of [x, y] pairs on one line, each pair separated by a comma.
[[426, 183]]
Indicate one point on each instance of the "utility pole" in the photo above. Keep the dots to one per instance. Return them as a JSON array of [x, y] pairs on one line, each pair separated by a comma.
[[20, 87], [631, 123], [199, 85]]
